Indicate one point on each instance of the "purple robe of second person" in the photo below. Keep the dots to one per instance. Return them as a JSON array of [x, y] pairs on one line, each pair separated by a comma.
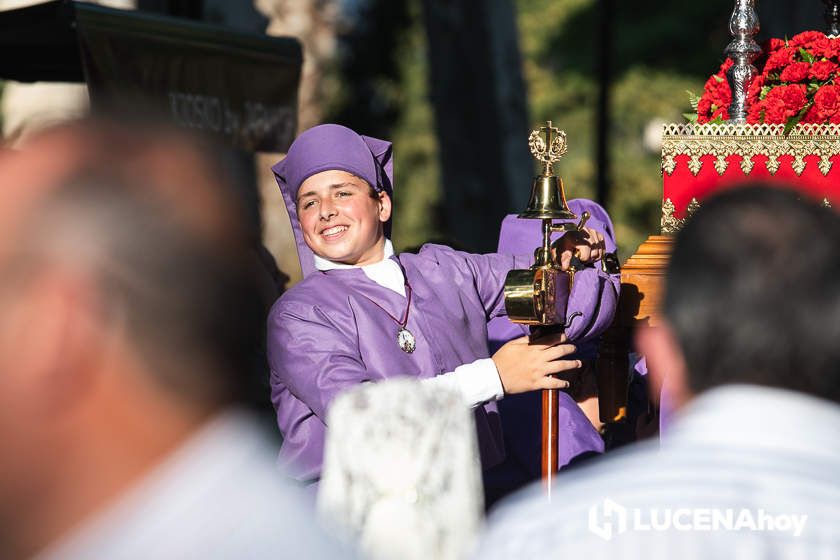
[[337, 328]]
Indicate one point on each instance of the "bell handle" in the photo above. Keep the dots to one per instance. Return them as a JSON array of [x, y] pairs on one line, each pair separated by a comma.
[[568, 226], [583, 219]]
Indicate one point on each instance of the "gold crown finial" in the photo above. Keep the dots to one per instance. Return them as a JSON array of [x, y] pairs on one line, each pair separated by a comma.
[[548, 150]]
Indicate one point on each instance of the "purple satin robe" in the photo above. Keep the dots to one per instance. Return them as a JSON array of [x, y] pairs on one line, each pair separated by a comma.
[[337, 328]]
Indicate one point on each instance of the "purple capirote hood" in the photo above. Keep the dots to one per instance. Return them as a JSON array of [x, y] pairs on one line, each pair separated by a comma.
[[325, 147]]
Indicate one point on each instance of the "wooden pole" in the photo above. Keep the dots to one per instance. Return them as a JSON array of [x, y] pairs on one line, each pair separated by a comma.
[[549, 459], [550, 413]]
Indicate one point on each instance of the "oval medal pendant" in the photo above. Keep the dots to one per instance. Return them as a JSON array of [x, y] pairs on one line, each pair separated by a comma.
[[406, 340]]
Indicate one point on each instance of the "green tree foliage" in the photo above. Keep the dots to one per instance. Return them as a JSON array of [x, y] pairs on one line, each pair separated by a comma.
[[383, 72], [659, 50], [418, 216]]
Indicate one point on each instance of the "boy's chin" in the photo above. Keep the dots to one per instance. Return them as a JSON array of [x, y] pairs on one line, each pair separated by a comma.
[[336, 257]]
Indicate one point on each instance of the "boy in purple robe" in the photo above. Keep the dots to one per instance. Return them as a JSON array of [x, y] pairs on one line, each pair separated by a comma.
[[364, 314]]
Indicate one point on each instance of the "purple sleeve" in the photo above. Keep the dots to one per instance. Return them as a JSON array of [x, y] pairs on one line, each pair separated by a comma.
[[490, 272], [487, 273], [594, 291], [595, 296], [311, 356]]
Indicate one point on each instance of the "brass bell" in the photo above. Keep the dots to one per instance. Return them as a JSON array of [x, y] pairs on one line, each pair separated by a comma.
[[537, 296], [548, 198]]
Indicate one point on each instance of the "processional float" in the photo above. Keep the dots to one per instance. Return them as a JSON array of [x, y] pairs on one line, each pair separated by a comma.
[[700, 158]]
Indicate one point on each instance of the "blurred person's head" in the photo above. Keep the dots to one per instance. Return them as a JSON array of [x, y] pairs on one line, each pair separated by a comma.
[[752, 297], [128, 311]]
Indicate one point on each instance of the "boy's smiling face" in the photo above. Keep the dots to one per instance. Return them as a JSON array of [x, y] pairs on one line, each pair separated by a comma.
[[340, 219]]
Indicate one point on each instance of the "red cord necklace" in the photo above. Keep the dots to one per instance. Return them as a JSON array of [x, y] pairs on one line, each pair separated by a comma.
[[405, 340]]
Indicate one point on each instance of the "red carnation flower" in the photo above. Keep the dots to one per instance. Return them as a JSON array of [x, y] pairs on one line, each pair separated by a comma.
[[722, 96], [773, 45], [719, 76], [711, 84], [806, 39], [779, 59], [796, 72], [827, 102], [783, 102], [794, 97], [716, 94], [822, 48], [812, 116], [774, 108], [822, 70]]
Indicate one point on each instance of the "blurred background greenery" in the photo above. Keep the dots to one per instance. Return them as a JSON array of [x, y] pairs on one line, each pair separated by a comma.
[[659, 51], [369, 64]]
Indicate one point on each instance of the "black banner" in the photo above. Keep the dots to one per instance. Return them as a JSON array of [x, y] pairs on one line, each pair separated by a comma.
[[240, 87]]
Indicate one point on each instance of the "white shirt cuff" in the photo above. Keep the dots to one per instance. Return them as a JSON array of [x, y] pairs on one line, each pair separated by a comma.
[[477, 383]]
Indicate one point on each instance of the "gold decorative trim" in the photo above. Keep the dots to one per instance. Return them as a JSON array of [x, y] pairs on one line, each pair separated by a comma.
[[670, 224], [722, 141], [692, 207]]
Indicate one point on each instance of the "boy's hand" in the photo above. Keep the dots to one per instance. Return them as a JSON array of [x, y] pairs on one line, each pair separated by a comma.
[[587, 243], [526, 365]]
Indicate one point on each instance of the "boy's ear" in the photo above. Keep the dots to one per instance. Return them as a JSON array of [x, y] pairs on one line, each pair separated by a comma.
[[384, 207]]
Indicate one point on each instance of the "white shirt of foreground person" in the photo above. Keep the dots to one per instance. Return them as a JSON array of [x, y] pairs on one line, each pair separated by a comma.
[[745, 472], [219, 496]]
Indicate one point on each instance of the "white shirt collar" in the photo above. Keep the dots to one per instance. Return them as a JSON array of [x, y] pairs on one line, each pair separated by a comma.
[[386, 273]]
